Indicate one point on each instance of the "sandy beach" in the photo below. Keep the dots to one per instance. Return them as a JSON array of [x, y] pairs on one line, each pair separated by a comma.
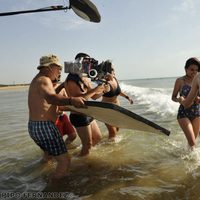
[[14, 87]]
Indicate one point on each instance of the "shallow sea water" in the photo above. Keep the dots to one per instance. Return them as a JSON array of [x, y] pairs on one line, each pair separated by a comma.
[[138, 166]]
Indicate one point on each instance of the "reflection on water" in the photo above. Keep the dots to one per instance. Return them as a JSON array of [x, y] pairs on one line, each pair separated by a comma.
[[138, 166]]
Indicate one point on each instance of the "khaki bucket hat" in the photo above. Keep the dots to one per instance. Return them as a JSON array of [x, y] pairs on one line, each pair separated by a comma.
[[48, 60]]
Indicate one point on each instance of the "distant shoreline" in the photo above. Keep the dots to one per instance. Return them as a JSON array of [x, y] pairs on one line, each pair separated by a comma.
[[15, 87]]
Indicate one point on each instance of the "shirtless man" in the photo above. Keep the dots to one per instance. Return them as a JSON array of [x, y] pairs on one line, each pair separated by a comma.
[[42, 103]]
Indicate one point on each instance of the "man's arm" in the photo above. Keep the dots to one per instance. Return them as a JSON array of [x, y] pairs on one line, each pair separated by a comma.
[[47, 90], [76, 92], [59, 88]]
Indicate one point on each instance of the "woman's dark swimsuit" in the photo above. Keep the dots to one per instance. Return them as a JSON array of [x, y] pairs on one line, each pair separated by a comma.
[[78, 120], [193, 111], [113, 92]]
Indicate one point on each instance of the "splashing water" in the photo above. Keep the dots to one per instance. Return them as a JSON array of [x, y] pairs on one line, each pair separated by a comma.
[[156, 100]]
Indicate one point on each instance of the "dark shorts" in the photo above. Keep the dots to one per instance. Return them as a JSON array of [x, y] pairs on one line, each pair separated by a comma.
[[46, 135], [80, 120]]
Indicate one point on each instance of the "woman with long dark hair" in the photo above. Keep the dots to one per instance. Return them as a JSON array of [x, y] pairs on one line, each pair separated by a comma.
[[188, 118]]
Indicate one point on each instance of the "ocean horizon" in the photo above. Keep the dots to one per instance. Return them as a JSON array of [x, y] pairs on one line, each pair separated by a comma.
[[147, 78]]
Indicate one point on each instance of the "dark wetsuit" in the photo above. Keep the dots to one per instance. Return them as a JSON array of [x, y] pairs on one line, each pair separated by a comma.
[[193, 111], [113, 92], [78, 120]]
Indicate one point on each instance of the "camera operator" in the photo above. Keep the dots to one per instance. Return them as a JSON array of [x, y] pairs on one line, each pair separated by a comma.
[[77, 84]]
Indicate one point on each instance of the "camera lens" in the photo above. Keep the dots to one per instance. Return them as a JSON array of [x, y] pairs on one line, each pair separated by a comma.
[[92, 73]]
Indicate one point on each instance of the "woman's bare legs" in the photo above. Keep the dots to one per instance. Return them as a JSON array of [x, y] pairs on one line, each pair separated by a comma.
[[90, 135], [190, 129]]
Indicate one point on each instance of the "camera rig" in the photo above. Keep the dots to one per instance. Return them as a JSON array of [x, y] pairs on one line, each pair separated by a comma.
[[89, 67]]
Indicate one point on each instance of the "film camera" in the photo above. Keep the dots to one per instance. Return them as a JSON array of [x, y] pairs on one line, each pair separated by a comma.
[[89, 67]]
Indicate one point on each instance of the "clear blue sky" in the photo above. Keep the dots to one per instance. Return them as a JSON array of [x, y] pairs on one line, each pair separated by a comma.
[[144, 38]]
